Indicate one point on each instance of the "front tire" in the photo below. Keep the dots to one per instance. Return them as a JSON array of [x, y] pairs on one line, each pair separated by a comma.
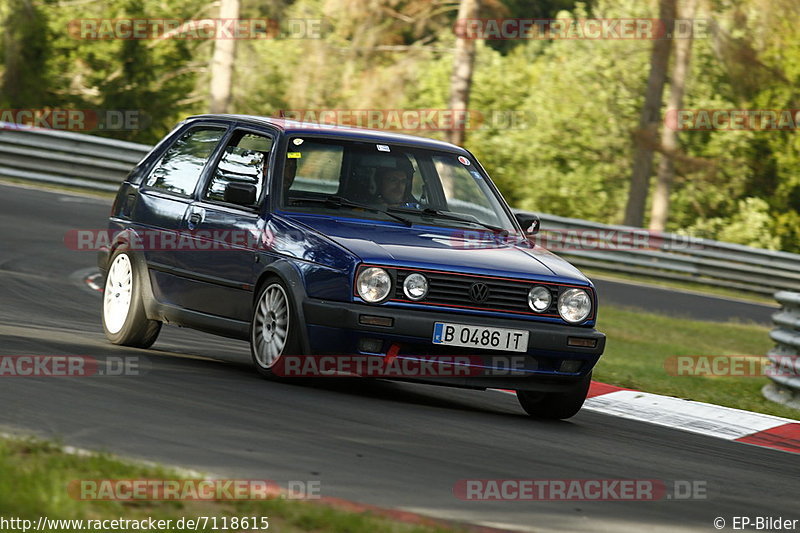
[[273, 329], [555, 405], [124, 320]]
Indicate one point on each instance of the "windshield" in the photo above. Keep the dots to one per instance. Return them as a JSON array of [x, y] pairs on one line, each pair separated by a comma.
[[382, 181]]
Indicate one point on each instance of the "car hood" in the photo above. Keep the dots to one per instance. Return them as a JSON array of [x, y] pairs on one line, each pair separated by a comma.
[[458, 250]]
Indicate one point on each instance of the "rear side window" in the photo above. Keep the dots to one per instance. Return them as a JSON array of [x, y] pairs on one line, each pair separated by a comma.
[[179, 169]]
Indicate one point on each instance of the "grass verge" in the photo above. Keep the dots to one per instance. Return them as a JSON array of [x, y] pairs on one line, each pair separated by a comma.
[[35, 475], [640, 343]]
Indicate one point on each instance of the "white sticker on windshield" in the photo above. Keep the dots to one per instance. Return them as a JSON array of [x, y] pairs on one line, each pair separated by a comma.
[[383, 148], [297, 142], [463, 160]]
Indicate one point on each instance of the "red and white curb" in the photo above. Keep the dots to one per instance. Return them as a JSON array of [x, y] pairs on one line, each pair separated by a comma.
[[696, 417], [708, 419]]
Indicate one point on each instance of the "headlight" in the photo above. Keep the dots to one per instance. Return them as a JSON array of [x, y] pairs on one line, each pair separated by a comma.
[[373, 284], [574, 305], [539, 298], [415, 286]]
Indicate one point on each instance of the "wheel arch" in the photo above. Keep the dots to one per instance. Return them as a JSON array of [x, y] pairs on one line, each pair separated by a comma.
[[291, 277]]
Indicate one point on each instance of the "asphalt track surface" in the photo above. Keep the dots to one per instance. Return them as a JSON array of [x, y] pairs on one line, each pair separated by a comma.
[[200, 405], [680, 303]]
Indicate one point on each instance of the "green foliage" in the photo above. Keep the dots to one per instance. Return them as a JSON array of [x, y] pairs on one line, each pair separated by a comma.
[[749, 224], [55, 68], [582, 98]]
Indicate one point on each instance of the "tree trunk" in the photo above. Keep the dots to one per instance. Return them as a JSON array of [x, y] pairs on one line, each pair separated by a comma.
[[25, 80], [461, 78], [646, 137], [222, 62], [669, 136]]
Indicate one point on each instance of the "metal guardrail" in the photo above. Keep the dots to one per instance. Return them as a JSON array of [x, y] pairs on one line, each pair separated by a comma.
[[672, 256], [66, 158], [785, 386], [99, 163]]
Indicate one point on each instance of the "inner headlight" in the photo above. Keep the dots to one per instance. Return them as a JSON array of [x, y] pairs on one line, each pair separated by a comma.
[[373, 284], [415, 286], [574, 305], [539, 298]]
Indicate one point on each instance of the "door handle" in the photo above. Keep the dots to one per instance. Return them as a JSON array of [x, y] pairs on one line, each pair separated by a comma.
[[195, 218]]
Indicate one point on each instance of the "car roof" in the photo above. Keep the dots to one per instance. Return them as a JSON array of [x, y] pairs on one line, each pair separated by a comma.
[[294, 127]]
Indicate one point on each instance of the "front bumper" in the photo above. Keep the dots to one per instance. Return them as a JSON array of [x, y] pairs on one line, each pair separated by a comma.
[[335, 328]]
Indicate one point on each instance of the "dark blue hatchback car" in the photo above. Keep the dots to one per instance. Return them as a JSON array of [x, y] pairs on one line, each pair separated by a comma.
[[339, 251]]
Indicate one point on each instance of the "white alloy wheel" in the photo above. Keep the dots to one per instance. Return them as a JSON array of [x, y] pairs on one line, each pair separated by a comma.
[[118, 293]]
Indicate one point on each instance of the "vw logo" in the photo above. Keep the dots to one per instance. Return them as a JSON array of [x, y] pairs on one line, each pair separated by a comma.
[[478, 292]]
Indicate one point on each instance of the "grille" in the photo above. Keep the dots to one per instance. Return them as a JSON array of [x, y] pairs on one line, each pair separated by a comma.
[[454, 290]]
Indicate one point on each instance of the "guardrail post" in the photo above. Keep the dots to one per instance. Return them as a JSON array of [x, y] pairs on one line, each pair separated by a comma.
[[784, 368]]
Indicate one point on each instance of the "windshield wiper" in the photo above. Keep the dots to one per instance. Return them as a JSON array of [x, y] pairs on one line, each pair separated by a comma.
[[441, 214], [339, 202]]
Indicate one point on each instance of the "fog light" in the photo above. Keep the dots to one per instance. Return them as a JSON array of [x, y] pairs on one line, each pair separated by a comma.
[[539, 298], [570, 366], [415, 286], [370, 345], [369, 320], [581, 341]]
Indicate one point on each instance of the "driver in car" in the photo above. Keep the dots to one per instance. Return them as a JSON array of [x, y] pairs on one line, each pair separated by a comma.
[[394, 188]]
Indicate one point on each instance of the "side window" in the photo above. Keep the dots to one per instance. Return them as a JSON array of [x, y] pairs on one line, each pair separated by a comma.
[[244, 160], [466, 192], [179, 168]]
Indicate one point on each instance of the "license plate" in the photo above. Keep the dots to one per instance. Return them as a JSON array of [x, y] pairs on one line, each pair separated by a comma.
[[510, 340]]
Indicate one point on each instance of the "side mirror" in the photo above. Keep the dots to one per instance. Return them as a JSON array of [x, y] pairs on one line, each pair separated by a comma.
[[530, 223], [240, 194]]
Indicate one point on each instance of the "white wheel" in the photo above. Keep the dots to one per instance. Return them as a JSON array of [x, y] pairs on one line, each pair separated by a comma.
[[117, 297], [271, 326], [125, 321]]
